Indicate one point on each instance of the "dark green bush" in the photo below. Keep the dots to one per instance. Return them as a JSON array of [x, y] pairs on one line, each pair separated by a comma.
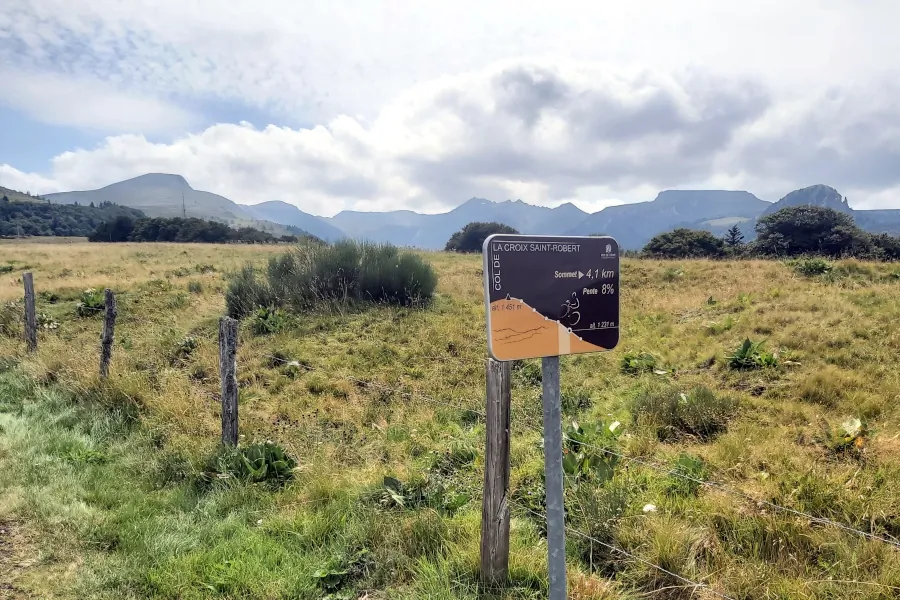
[[268, 320], [91, 303], [688, 472], [634, 363], [810, 267], [312, 276], [751, 355], [260, 462], [685, 243], [246, 292], [471, 237], [672, 414]]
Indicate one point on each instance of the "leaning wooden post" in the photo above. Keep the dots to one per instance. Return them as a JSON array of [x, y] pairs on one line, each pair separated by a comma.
[[494, 506], [30, 316], [228, 334], [109, 326]]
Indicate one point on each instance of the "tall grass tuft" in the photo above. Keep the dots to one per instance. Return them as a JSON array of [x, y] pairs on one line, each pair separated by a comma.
[[672, 414], [313, 276]]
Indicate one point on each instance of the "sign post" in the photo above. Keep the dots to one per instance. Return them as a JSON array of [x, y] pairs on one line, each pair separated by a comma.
[[548, 296]]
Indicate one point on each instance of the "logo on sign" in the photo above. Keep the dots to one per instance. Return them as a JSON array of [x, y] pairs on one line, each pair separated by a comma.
[[608, 248]]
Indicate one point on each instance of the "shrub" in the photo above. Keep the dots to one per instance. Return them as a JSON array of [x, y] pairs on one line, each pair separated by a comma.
[[184, 349], [797, 230], [811, 267], [313, 276], [685, 243], [692, 470], [91, 303], [268, 320], [751, 355], [672, 274], [195, 287], [672, 414], [260, 462], [636, 363], [583, 450], [429, 492], [245, 293], [471, 237], [6, 269]]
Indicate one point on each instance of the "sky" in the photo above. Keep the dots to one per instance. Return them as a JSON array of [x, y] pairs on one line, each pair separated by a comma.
[[422, 104]]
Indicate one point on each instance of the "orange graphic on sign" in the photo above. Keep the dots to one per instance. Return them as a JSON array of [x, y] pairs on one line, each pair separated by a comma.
[[519, 331]]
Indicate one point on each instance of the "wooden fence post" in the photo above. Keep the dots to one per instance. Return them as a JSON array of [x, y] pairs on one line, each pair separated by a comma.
[[109, 326], [228, 334], [494, 507], [30, 316]]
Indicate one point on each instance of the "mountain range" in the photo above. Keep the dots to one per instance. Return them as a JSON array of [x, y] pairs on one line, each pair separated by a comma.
[[158, 194]]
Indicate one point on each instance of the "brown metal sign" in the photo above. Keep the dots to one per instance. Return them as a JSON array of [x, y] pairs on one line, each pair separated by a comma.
[[550, 295]]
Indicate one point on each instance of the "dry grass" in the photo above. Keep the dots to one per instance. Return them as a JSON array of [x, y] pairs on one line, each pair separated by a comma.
[[835, 338]]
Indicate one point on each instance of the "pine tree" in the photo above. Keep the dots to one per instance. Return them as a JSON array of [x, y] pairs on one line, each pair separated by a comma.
[[734, 237]]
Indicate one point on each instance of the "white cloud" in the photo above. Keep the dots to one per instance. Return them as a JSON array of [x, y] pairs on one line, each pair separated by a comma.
[[13, 179], [724, 94], [89, 104], [543, 131], [313, 61]]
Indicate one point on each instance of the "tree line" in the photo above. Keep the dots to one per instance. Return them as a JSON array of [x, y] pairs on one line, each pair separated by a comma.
[[181, 229], [45, 219], [791, 231]]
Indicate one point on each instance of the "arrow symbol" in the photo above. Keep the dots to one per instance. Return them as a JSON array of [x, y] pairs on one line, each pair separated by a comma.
[[580, 274]]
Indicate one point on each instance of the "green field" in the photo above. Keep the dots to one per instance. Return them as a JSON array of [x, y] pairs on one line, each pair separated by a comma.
[[101, 493]]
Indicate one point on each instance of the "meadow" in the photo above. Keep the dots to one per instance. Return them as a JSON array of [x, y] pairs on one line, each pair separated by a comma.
[[101, 486]]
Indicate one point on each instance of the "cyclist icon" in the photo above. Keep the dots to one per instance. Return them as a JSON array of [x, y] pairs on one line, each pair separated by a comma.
[[572, 310]]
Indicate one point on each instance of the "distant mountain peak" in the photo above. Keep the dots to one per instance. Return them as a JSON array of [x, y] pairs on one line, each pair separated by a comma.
[[814, 195], [166, 180]]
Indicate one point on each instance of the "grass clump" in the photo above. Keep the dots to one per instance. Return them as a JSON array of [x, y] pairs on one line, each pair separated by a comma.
[[91, 303], [588, 450], [812, 267], [261, 462], [672, 414], [246, 292], [826, 387], [314, 276], [12, 315], [751, 355], [195, 287], [268, 320], [689, 471], [635, 363], [428, 492]]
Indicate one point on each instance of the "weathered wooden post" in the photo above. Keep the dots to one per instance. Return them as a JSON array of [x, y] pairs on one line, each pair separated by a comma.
[[494, 505], [106, 339], [30, 316], [228, 334]]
